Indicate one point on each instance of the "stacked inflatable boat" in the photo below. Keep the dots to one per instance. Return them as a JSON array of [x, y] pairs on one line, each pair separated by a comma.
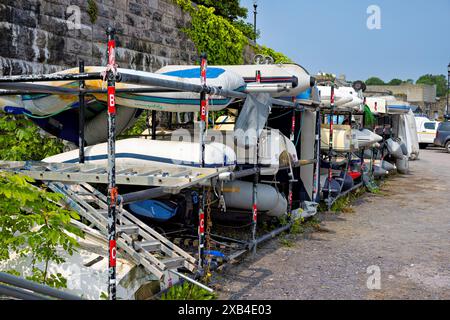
[[58, 114]]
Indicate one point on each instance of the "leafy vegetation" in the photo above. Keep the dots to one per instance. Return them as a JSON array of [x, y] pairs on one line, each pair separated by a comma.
[[215, 35], [92, 11], [218, 29], [20, 140], [229, 9], [232, 11], [439, 80], [374, 81], [138, 128], [31, 222], [278, 57], [188, 291], [34, 226], [395, 82]]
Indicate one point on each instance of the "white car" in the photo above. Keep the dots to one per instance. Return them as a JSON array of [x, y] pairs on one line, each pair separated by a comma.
[[426, 131]]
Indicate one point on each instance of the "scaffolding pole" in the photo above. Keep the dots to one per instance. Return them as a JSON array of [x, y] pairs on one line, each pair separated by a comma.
[[291, 172], [81, 114], [202, 136], [330, 147], [112, 189], [255, 184]]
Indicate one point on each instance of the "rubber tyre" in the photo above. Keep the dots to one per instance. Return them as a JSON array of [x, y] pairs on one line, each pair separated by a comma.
[[423, 146], [447, 146]]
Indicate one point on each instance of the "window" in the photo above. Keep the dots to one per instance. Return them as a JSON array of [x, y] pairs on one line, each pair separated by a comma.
[[430, 125], [444, 126]]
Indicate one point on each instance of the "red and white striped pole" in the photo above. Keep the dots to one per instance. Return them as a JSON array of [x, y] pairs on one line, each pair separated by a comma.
[[112, 189], [202, 133], [203, 106], [293, 122]]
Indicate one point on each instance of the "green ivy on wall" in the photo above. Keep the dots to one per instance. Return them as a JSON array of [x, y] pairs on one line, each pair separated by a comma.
[[278, 57], [219, 38], [92, 11], [215, 35]]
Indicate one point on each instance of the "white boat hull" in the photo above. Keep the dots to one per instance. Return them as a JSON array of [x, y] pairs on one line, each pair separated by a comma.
[[141, 152]]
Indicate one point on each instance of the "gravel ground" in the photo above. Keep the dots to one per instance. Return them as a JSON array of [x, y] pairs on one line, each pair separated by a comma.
[[404, 230]]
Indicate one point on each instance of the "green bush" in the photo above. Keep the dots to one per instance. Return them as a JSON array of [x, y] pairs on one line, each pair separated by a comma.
[[187, 291], [278, 57], [20, 140]]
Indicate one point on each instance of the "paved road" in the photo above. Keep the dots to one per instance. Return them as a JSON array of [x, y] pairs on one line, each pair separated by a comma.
[[404, 231]]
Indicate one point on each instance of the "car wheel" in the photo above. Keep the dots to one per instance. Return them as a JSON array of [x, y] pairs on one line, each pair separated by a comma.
[[447, 146]]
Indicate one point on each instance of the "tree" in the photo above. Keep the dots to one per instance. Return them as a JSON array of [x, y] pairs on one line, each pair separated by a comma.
[[233, 12], [229, 9], [395, 82], [374, 81], [246, 28], [31, 221], [439, 80], [33, 225]]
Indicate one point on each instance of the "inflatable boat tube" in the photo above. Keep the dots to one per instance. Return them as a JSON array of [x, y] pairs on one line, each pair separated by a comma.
[[379, 172], [366, 138], [239, 195], [394, 149], [403, 165], [155, 210], [143, 152], [388, 166], [346, 181], [335, 188]]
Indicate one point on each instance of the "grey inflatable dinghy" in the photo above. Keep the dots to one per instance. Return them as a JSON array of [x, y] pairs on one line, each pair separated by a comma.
[[394, 149], [387, 166], [403, 165]]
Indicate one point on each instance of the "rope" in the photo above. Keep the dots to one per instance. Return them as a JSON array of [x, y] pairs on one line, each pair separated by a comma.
[[282, 115], [47, 116], [300, 129]]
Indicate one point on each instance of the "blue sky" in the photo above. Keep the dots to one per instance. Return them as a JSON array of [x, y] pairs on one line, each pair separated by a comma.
[[332, 36]]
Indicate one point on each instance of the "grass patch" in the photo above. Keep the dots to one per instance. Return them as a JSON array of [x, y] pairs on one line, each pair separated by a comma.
[[287, 242], [188, 291]]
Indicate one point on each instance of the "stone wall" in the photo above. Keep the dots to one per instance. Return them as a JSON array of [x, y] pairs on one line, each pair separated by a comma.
[[42, 36]]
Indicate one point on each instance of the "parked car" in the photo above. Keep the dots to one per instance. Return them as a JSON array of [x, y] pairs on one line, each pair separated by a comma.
[[443, 136], [426, 131]]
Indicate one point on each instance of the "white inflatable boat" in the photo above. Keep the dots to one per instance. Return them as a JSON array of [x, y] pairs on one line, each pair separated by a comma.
[[366, 138], [239, 195], [345, 97], [154, 152], [275, 151], [280, 80], [46, 104]]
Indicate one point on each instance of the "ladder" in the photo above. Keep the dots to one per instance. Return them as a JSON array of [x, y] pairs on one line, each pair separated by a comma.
[[172, 178], [141, 243]]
